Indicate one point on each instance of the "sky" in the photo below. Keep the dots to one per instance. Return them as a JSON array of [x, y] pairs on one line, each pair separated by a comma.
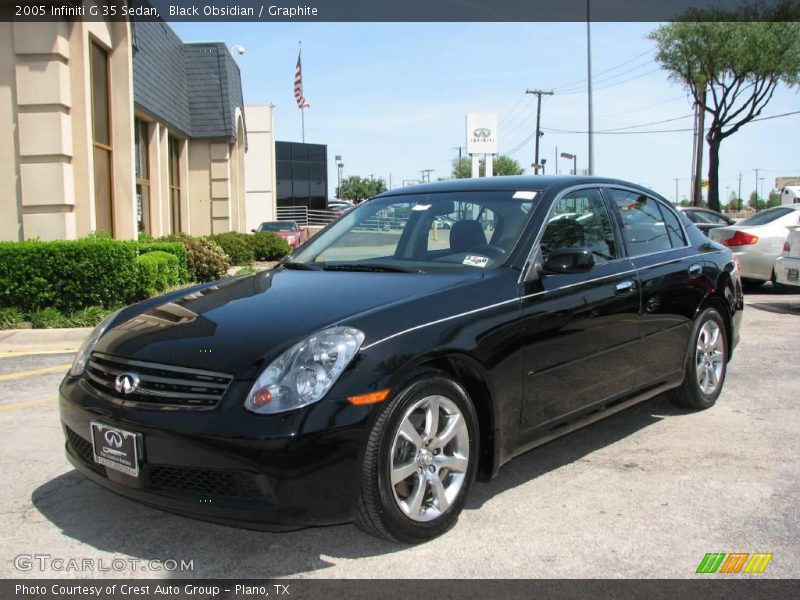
[[391, 99]]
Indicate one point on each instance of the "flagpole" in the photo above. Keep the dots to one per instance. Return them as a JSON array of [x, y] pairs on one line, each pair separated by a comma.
[[303, 122]]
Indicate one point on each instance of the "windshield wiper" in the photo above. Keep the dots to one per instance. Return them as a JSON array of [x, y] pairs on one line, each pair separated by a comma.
[[301, 266], [371, 268]]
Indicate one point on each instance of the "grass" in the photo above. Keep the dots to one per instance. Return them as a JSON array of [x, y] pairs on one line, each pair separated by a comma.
[[49, 318]]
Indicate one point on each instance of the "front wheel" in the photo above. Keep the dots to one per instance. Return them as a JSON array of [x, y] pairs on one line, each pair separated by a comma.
[[707, 363], [420, 462]]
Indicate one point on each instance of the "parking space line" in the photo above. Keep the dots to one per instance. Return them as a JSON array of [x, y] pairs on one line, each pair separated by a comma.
[[27, 404], [32, 372], [15, 353]]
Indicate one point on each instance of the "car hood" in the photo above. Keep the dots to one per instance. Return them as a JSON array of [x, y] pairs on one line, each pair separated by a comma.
[[231, 326]]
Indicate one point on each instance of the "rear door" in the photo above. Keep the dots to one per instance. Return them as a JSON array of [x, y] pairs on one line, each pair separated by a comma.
[[672, 277], [581, 330]]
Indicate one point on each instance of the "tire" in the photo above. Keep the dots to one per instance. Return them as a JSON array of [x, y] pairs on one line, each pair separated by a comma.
[[416, 474], [706, 363]]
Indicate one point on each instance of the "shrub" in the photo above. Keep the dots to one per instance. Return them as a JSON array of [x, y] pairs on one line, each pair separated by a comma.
[[157, 271], [48, 317], [206, 260], [67, 275], [268, 246], [174, 246], [10, 317], [237, 246]]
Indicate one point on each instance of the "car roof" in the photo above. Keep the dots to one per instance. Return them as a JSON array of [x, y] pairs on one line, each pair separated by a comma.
[[512, 182]]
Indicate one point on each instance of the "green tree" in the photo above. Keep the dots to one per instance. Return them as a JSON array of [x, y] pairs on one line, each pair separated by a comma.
[[774, 199], [503, 165], [755, 202], [731, 63], [357, 188]]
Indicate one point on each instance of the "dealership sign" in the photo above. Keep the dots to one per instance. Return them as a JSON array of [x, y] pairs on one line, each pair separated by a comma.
[[481, 133]]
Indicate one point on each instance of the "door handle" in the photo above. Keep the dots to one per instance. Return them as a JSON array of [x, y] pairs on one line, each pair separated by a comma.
[[695, 271], [623, 288]]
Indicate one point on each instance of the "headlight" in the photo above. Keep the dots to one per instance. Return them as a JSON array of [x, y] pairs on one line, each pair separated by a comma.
[[290, 239], [305, 372], [86, 348]]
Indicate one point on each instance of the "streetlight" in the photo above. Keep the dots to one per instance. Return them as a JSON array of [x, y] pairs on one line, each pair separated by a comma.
[[340, 166], [574, 159]]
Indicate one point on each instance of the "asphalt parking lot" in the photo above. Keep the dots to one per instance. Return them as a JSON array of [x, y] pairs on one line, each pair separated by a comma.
[[645, 493]]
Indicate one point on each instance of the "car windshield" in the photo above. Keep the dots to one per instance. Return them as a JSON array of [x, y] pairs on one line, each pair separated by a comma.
[[421, 232], [767, 216], [276, 227]]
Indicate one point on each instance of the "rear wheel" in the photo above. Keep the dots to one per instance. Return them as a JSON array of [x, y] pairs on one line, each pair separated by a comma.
[[420, 462], [707, 363]]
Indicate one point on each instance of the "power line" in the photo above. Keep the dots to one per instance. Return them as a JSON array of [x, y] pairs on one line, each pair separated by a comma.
[[581, 88], [618, 132], [585, 80]]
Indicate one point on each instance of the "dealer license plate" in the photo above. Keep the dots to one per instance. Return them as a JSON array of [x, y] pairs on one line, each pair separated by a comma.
[[116, 448], [791, 274]]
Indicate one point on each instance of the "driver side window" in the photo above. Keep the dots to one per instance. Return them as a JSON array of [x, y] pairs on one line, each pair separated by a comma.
[[581, 220]]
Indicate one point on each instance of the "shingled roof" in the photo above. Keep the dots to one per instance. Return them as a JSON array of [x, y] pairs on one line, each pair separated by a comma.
[[194, 88]]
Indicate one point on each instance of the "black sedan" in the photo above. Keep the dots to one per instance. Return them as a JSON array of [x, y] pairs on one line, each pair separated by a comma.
[[706, 219], [373, 375]]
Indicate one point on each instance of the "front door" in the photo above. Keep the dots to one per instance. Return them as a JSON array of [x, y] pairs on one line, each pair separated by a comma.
[[581, 330]]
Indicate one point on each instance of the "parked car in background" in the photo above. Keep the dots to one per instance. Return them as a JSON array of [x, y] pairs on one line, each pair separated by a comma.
[[706, 219], [787, 265], [339, 207], [373, 377], [288, 230], [758, 240]]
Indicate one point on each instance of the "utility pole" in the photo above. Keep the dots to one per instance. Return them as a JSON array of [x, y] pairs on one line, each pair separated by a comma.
[[756, 188], [539, 94], [739, 198], [589, 69], [676, 190], [459, 148], [426, 174]]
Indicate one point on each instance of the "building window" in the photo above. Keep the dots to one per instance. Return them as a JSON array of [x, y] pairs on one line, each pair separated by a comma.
[[174, 185], [142, 160], [101, 139]]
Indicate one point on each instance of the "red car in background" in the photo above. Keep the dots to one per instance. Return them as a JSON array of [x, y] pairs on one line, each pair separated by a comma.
[[288, 230]]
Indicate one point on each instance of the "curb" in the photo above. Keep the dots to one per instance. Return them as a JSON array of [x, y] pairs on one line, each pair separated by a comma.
[[42, 340]]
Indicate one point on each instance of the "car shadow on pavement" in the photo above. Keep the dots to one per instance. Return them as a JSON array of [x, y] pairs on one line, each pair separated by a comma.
[[574, 447], [93, 516]]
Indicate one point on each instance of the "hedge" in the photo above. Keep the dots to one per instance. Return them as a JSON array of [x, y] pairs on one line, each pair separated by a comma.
[[67, 275], [269, 246], [158, 271], [238, 246]]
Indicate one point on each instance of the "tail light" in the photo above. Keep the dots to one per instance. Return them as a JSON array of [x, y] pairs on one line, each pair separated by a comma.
[[786, 247], [741, 238]]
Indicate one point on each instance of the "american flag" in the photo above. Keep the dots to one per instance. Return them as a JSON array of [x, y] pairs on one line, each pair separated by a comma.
[[298, 85]]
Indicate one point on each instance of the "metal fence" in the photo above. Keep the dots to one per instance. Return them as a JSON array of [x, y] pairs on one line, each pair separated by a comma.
[[304, 216]]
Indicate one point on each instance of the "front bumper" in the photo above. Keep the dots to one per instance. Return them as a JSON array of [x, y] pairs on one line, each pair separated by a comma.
[[783, 264], [226, 465]]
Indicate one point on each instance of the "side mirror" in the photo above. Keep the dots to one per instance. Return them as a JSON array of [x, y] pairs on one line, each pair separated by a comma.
[[569, 260]]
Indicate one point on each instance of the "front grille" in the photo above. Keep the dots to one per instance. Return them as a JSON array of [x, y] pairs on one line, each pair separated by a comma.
[[159, 385], [83, 448], [205, 482]]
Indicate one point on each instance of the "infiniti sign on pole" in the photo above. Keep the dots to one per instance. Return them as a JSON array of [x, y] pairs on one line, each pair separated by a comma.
[[482, 139]]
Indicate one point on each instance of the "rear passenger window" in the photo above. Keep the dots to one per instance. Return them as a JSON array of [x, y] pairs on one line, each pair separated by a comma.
[[644, 225]]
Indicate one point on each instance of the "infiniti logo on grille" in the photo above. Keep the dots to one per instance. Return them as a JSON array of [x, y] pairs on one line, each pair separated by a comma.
[[126, 383]]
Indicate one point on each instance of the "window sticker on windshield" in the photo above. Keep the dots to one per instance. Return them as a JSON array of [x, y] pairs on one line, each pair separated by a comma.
[[475, 261], [421, 207], [524, 195]]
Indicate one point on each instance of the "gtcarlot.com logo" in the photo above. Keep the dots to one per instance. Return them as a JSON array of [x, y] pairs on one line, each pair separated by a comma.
[[47, 562], [734, 562]]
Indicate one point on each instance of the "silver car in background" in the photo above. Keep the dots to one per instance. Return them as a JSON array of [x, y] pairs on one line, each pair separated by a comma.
[[787, 265], [757, 241]]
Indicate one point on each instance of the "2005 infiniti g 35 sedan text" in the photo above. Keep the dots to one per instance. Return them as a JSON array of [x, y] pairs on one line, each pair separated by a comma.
[[376, 371]]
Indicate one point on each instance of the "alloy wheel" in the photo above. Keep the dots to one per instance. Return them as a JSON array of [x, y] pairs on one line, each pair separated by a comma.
[[709, 357], [430, 458]]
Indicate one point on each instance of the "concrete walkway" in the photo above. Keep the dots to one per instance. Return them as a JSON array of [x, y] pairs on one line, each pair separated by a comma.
[[14, 341]]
